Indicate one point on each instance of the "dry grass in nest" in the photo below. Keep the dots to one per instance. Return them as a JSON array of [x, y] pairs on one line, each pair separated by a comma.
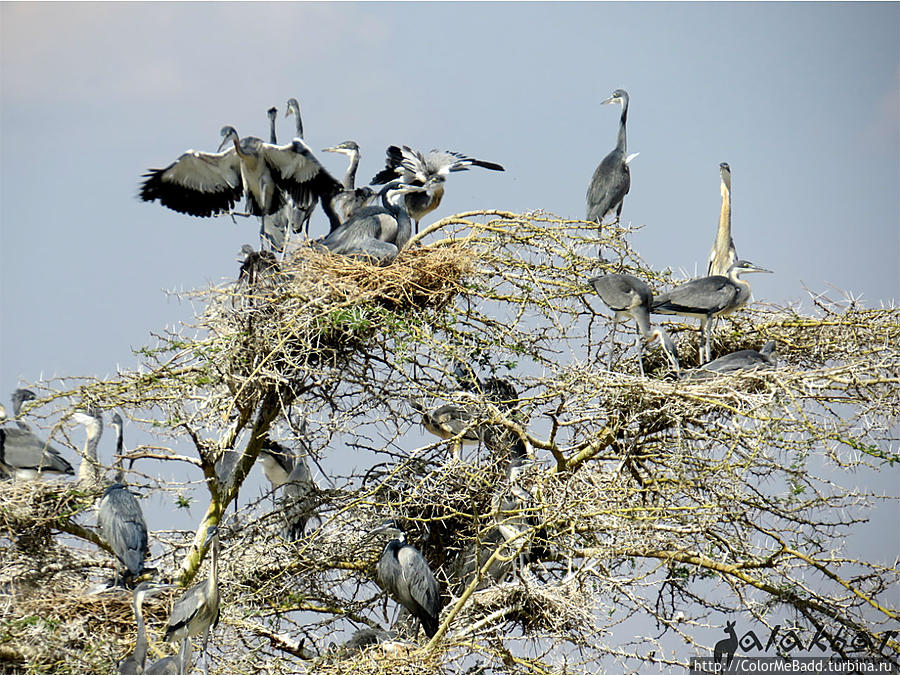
[[421, 278], [30, 509]]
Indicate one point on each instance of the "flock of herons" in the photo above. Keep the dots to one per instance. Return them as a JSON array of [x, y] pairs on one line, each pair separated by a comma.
[[283, 184]]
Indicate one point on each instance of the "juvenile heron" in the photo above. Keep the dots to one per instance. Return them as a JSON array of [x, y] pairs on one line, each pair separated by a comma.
[[173, 665], [134, 664], [744, 359], [23, 455], [416, 168], [197, 610], [708, 298], [629, 296], [612, 178], [377, 233], [723, 254], [351, 199], [89, 468], [19, 396], [404, 573], [205, 184], [449, 422], [289, 472], [120, 517]]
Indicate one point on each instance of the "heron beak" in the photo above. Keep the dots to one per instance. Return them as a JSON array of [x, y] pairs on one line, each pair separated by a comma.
[[611, 99]]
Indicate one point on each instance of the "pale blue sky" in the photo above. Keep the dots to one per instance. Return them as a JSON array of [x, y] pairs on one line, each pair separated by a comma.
[[801, 99]]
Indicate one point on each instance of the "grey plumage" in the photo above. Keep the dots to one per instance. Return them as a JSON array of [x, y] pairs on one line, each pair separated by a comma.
[[205, 184], [404, 573], [723, 253], [612, 178], [708, 297], [197, 610], [744, 359], [629, 296], [173, 665], [378, 233], [23, 455], [134, 664], [351, 199], [289, 472], [121, 519], [416, 168]]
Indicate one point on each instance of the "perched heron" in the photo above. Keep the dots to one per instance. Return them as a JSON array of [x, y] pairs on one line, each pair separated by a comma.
[[708, 298], [449, 422], [612, 178], [416, 168], [289, 472], [198, 608], [404, 573], [744, 359], [723, 254], [173, 665], [205, 184], [301, 209], [19, 396], [629, 296], [134, 664], [365, 637], [120, 517], [23, 455], [89, 468], [351, 199], [377, 232]]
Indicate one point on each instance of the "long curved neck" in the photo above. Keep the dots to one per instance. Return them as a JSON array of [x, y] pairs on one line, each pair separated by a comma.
[[350, 177], [213, 581], [299, 124], [743, 286], [88, 469], [272, 138], [140, 647], [620, 144], [404, 224]]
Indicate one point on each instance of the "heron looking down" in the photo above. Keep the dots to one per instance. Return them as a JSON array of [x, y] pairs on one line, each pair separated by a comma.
[[415, 168], [723, 254], [377, 232], [629, 296], [404, 573], [612, 178], [744, 359], [708, 297], [89, 468]]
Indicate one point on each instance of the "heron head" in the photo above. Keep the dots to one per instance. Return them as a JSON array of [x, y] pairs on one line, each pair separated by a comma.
[[212, 532], [229, 134], [768, 349], [89, 416], [272, 113], [389, 526], [618, 96], [345, 148], [739, 267], [19, 396], [116, 420], [725, 172], [293, 107], [146, 589]]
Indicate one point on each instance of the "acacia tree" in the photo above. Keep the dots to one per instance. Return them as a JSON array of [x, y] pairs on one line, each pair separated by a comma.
[[648, 500]]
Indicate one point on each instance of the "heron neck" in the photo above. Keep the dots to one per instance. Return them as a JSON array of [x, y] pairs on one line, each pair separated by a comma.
[[350, 176], [642, 319], [299, 125], [213, 581], [140, 646], [621, 145], [724, 234], [272, 138], [88, 470]]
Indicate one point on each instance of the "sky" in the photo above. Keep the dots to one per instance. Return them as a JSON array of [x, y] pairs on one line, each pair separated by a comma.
[[801, 99]]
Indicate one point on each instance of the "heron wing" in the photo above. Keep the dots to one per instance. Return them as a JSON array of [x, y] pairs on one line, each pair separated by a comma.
[[197, 183], [189, 606], [442, 162], [620, 292], [21, 449], [609, 185], [297, 171], [392, 166], [700, 296], [122, 525], [423, 587]]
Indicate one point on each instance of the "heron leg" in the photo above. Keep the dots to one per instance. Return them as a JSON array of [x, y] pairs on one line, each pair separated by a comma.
[[205, 652], [612, 343], [704, 325]]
